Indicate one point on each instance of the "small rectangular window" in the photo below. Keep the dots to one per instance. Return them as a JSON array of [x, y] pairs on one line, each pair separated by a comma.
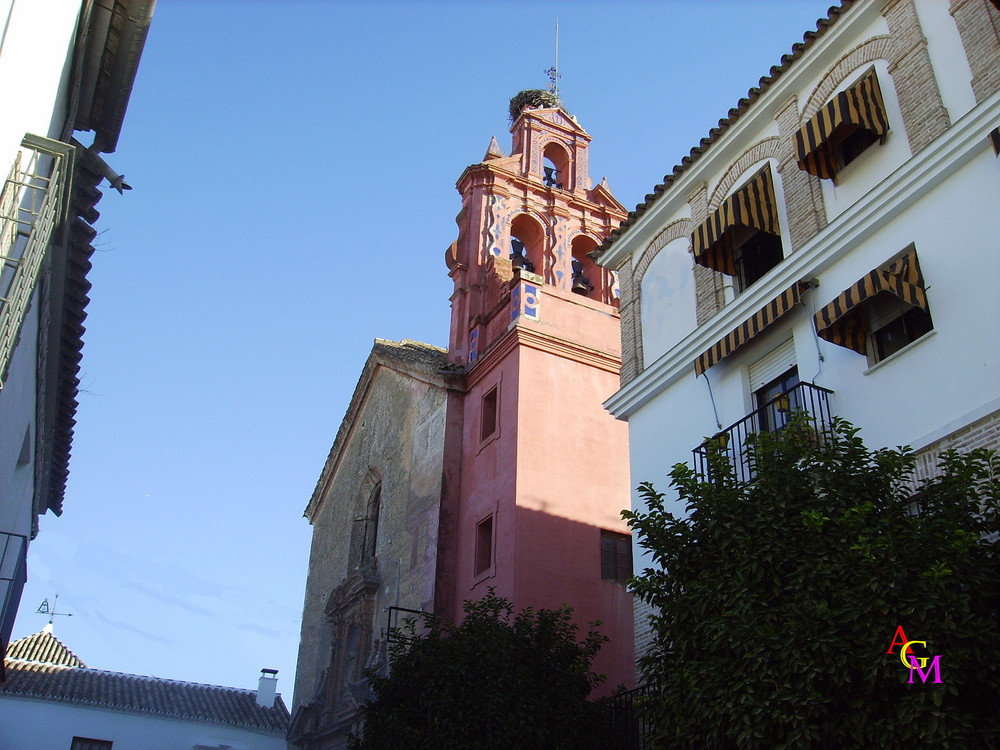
[[484, 545], [849, 142], [776, 400], [616, 556], [754, 253], [86, 743], [488, 422], [896, 324]]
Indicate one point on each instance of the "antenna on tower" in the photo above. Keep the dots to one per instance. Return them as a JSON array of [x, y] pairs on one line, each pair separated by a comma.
[[45, 609], [553, 72]]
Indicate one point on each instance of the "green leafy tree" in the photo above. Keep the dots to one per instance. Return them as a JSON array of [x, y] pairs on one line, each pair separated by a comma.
[[779, 598], [497, 680]]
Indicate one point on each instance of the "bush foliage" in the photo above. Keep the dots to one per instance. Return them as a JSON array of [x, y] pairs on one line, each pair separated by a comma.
[[497, 680], [779, 598]]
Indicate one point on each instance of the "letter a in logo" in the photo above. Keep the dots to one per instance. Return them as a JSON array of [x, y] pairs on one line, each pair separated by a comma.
[[899, 639]]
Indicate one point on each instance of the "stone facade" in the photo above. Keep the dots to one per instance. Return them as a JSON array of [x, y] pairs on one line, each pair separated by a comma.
[[376, 531]]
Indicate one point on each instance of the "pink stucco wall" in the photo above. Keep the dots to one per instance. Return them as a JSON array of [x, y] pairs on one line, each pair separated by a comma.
[[555, 473]]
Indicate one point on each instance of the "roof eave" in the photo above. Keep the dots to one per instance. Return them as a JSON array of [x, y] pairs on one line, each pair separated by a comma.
[[609, 253], [113, 34]]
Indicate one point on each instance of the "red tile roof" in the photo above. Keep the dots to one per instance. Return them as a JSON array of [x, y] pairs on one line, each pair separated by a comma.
[[46, 671], [43, 647]]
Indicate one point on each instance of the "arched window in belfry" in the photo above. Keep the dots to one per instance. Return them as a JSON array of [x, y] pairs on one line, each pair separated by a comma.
[[587, 277], [527, 244], [555, 170], [371, 522]]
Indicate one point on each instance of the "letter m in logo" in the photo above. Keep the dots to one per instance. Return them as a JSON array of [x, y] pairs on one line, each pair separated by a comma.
[[934, 666]]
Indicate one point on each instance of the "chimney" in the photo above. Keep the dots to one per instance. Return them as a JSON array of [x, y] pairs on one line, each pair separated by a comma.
[[267, 687]]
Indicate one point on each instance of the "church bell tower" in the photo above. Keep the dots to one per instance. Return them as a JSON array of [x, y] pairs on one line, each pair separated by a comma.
[[544, 468]]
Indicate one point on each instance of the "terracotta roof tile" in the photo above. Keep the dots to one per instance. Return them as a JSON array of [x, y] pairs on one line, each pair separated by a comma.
[[776, 70], [145, 695], [43, 647]]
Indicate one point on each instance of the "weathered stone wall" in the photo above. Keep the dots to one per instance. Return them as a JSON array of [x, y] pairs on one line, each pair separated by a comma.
[[393, 434]]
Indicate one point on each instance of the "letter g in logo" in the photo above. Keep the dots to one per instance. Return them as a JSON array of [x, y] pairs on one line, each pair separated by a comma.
[[904, 653]]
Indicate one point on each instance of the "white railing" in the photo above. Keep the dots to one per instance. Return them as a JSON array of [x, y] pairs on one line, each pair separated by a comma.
[[33, 203]]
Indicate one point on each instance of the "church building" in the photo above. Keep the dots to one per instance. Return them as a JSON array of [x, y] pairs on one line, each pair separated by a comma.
[[491, 464]]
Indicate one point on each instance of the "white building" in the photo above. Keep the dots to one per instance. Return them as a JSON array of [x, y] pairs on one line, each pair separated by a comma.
[[65, 66], [51, 700], [831, 245]]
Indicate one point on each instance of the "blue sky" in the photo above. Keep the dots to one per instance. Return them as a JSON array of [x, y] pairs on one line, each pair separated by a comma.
[[294, 166]]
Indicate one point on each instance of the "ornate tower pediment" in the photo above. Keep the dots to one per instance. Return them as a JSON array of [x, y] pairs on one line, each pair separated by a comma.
[[535, 208]]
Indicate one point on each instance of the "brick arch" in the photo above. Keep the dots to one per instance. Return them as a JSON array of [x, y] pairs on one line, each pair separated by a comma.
[[672, 231], [876, 48], [767, 148]]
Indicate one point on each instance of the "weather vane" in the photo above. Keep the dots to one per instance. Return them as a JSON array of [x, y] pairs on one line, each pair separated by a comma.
[[553, 72], [45, 609]]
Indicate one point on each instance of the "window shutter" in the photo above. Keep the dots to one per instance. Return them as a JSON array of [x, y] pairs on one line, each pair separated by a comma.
[[772, 364]]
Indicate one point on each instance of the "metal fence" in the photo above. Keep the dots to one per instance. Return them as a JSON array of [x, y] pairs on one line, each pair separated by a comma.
[[625, 725], [771, 417]]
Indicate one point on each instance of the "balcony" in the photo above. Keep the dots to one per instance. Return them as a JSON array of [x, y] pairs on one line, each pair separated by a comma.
[[33, 203], [813, 400]]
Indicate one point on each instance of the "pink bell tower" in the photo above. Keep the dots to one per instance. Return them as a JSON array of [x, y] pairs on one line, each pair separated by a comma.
[[543, 471]]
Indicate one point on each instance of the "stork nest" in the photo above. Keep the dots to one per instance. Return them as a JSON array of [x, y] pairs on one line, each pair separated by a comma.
[[533, 98]]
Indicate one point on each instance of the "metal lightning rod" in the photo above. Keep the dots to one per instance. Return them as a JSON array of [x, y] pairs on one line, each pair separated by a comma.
[[553, 72]]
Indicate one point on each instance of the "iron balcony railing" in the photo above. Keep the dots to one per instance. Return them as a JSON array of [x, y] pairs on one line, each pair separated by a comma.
[[625, 722], [396, 630], [13, 574], [772, 416], [33, 203]]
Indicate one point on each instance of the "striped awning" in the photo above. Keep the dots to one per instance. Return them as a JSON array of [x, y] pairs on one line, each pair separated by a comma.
[[844, 322], [751, 327], [859, 105], [753, 206]]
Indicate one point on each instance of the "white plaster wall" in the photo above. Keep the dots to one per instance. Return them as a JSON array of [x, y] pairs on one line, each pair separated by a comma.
[[879, 160], [907, 399], [661, 435], [34, 61], [951, 65], [954, 370], [17, 415], [667, 300], [37, 725], [35, 43]]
